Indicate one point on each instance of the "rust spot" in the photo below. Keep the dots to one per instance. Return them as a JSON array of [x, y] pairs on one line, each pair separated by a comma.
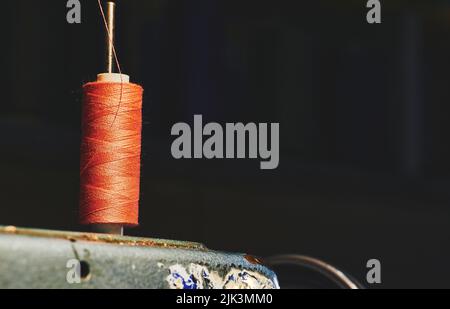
[[252, 260], [101, 238]]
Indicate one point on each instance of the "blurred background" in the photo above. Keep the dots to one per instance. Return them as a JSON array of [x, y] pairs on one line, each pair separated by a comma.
[[364, 159]]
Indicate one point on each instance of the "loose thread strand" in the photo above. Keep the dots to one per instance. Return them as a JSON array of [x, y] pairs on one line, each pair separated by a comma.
[[116, 58]]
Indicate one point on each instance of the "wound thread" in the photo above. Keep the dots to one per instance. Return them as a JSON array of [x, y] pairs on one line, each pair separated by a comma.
[[111, 153]]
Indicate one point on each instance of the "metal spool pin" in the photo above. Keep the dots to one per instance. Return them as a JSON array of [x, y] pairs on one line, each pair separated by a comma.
[[110, 21]]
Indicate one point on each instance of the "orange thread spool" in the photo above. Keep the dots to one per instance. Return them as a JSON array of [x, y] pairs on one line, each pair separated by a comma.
[[111, 153]]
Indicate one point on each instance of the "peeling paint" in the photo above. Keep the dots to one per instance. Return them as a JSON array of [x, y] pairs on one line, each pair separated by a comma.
[[200, 277]]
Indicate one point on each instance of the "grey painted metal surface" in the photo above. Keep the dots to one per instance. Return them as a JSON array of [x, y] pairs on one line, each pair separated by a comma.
[[42, 259]]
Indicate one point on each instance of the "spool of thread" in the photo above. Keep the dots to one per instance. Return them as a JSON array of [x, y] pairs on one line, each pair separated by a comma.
[[111, 151]]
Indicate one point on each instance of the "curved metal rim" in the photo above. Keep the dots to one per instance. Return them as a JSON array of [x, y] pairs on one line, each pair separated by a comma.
[[325, 269]]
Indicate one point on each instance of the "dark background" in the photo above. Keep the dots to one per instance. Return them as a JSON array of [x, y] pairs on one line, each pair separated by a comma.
[[363, 109]]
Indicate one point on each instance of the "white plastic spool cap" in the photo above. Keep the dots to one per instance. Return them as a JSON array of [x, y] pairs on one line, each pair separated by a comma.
[[113, 78]]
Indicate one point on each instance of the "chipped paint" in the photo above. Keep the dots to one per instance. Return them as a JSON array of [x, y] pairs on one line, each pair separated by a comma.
[[200, 277]]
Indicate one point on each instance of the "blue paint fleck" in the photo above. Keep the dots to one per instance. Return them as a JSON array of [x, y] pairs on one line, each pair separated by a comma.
[[189, 284]]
